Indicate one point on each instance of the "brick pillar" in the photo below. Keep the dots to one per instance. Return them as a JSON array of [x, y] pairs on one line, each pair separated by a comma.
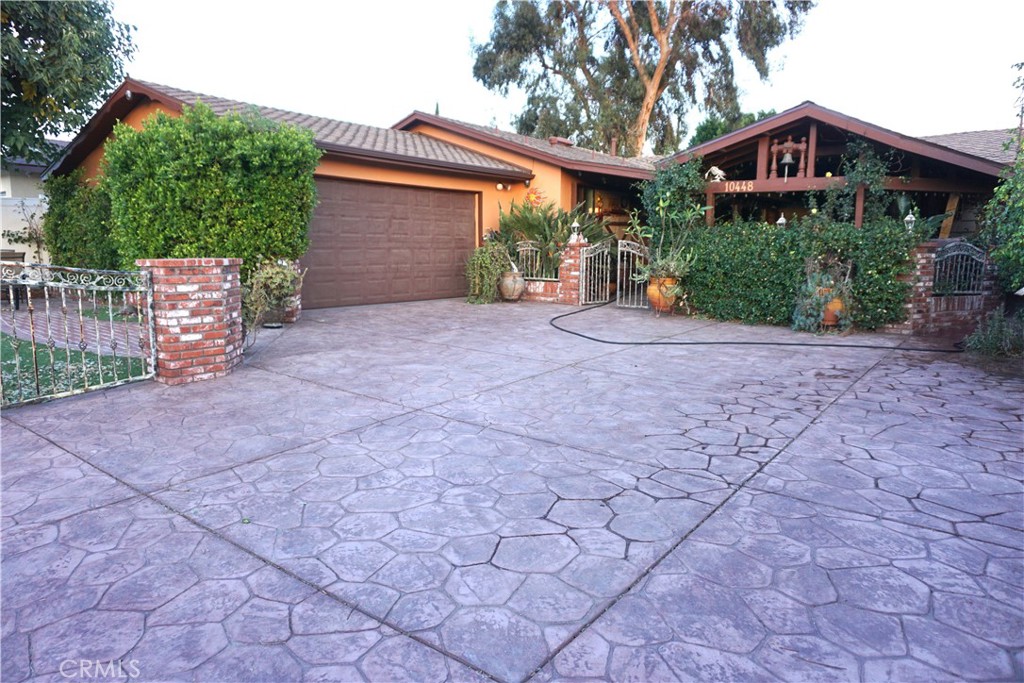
[[197, 307], [569, 274]]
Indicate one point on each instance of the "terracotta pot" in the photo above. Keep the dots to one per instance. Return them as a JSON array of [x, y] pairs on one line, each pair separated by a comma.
[[830, 318], [659, 293], [512, 285]]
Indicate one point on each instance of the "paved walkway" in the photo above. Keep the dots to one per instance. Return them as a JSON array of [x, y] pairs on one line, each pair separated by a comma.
[[440, 491]]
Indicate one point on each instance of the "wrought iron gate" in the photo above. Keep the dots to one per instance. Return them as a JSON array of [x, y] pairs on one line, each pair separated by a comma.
[[595, 273], [64, 331], [631, 293], [959, 269]]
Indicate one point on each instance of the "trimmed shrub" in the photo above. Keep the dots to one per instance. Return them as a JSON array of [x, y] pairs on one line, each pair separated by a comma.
[[754, 272], [746, 271], [203, 185], [76, 225]]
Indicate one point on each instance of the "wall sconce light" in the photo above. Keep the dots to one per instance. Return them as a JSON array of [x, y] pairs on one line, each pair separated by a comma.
[[499, 187], [782, 221], [526, 182], [909, 221]]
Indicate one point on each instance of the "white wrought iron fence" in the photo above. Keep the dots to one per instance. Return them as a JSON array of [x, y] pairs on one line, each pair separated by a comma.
[[64, 331], [534, 263], [631, 292], [596, 273]]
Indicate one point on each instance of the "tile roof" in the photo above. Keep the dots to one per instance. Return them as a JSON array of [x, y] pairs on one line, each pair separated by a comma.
[[343, 136], [926, 147], [26, 165], [569, 154], [987, 144]]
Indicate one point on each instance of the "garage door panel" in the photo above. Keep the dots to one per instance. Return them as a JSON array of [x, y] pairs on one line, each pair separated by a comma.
[[375, 243]]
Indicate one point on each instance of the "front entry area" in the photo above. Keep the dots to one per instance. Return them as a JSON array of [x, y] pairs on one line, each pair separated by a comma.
[[372, 243]]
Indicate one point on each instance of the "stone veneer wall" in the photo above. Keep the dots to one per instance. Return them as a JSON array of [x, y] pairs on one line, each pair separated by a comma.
[[197, 309]]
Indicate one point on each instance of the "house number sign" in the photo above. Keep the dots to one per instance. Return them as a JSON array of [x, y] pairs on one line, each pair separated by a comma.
[[739, 186]]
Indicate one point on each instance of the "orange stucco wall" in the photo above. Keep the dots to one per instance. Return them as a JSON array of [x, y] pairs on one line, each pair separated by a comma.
[[135, 119], [556, 185]]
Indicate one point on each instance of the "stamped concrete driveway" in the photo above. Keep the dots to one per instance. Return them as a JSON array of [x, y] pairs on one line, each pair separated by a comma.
[[440, 491]]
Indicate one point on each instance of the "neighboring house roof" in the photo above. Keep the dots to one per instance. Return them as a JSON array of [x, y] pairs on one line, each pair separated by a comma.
[[30, 167], [995, 145], [558, 151], [370, 143], [810, 110]]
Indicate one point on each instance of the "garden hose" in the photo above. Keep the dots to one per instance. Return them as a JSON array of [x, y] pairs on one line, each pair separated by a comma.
[[826, 345]]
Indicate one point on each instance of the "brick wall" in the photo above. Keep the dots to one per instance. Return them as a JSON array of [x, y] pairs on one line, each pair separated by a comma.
[[946, 316], [197, 311], [566, 290]]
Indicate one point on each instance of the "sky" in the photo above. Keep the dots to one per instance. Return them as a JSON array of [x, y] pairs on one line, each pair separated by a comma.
[[918, 67]]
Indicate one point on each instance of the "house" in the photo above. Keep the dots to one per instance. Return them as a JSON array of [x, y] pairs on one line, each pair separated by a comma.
[[22, 205], [400, 209], [604, 184], [770, 165]]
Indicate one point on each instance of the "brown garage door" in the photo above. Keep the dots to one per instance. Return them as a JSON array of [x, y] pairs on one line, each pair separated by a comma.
[[371, 243]]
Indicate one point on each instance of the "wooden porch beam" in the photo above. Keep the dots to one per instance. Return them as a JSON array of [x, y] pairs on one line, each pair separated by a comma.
[[951, 205], [858, 207], [812, 149], [762, 157], [806, 184]]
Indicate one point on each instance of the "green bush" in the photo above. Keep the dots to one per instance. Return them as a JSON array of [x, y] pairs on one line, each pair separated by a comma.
[[999, 335], [754, 272], [484, 269], [271, 284], [548, 225], [680, 185], [746, 271], [76, 224], [202, 185], [1003, 219]]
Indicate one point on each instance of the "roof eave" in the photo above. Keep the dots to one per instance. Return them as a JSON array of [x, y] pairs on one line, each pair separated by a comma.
[[405, 161], [871, 131], [519, 148], [120, 102]]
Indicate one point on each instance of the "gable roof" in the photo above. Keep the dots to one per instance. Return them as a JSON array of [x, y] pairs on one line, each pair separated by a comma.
[[987, 144], [351, 140], [557, 151], [810, 110]]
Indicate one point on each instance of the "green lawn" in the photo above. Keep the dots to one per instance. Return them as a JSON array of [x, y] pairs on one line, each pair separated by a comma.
[[100, 311], [67, 371]]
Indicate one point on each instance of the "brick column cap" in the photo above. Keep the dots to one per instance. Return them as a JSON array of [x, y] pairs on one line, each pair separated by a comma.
[[187, 262]]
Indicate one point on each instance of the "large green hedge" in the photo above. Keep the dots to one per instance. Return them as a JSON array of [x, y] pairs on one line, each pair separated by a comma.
[[204, 185], [753, 271], [76, 224]]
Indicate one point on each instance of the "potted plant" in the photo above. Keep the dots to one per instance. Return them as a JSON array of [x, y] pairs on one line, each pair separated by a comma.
[[670, 258], [484, 271], [271, 288], [823, 300], [512, 284], [665, 272]]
